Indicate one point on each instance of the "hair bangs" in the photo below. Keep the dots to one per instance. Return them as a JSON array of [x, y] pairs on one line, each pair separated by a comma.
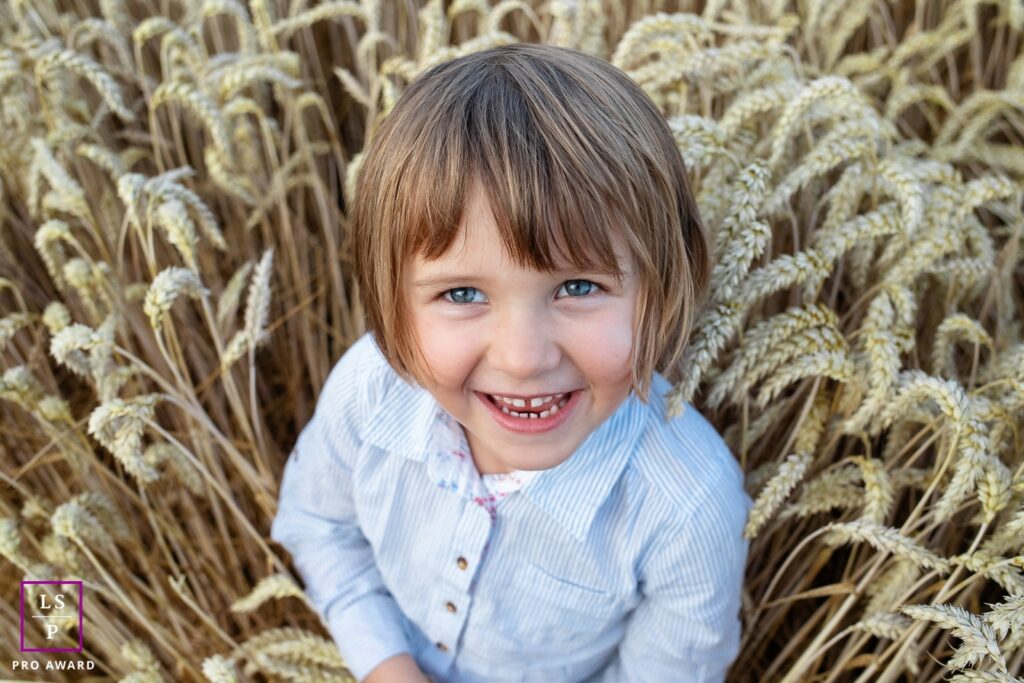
[[551, 215]]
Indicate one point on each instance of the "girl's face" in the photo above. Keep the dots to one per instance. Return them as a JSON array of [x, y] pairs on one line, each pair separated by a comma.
[[488, 327]]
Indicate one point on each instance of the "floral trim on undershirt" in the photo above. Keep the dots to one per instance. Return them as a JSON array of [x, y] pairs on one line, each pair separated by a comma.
[[451, 466]]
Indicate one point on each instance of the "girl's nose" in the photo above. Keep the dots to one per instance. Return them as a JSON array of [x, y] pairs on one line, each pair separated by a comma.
[[524, 346]]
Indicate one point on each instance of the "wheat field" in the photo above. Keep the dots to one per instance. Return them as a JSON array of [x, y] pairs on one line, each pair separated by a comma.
[[175, 286]]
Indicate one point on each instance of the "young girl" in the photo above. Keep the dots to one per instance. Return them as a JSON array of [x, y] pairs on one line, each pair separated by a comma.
[[489, 489]]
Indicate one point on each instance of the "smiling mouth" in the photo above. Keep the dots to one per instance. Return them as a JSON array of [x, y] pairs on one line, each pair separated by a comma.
[[527, 412]]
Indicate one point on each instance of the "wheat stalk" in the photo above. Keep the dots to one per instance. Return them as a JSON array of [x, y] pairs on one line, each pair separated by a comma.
[[878, 490], [157, 453], [197, 102], [978, 638], [173, 217], [257, 305], [888, 590], [885, 539], [219, 669], [274, 586], [986, 563], [74, 521], [118, 424], [168, 285], [66, 187], [789, 474], [332, 9], [883, 625], [1006, 616], [87, 68], [234, 8], [831, 89], [972, 676]]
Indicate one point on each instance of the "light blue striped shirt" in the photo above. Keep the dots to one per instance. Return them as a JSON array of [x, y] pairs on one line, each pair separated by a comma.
[[623, 563]]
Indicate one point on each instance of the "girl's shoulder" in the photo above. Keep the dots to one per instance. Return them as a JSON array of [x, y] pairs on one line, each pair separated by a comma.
[[363, 354], [381, 409], [359, 377], [685, 459]]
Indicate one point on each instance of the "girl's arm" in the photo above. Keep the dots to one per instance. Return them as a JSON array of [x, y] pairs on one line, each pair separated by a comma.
[[316, 521], [399, 669], [687, 627]]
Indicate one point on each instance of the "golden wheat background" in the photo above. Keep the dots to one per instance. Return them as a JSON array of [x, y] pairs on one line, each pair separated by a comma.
[[175, 287]]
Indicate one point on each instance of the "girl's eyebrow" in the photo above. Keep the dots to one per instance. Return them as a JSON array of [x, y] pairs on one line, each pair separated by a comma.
[[438, 280], [441, 280]]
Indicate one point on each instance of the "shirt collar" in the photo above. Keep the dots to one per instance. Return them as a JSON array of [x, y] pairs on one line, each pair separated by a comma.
[[571, 492], [401, 422]]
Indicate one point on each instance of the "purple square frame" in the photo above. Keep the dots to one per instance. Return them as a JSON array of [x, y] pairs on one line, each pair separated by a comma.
[[81, 610]]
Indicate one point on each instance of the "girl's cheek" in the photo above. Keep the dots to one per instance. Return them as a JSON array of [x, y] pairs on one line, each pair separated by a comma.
[[613, 335], [443, 345]]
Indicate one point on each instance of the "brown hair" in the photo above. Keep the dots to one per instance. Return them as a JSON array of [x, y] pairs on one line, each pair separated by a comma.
[[567, 149]]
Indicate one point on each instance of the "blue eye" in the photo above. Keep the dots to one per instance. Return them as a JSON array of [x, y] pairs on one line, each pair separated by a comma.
[[576, 289], [568, 285], [457, 296]]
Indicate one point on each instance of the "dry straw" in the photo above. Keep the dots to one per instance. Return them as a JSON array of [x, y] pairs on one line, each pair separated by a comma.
[[860, 347]]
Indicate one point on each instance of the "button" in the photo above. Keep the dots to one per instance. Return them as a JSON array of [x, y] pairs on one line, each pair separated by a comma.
[[451, 607], [462, 563], [442, 647]]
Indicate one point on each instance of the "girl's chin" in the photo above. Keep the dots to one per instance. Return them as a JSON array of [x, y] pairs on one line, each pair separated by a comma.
[[541, 463]]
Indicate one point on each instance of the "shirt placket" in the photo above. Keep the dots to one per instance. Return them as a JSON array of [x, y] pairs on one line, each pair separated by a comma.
[[452, 597], [452, 469]]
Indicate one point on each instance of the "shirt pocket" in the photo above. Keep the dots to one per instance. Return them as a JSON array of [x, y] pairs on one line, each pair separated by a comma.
[[551, 611]]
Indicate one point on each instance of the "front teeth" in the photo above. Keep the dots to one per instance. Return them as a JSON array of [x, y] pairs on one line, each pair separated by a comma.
[[521, 402], [554, 409]]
